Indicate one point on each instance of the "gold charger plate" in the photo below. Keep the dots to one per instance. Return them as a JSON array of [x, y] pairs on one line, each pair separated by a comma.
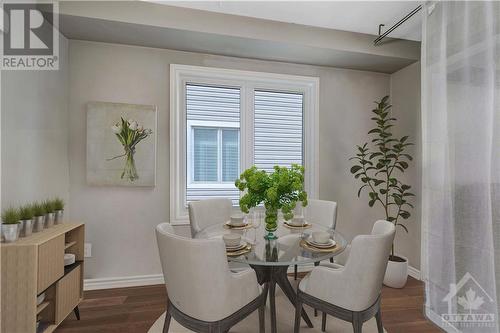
[[297, 227], [243, 227], [244, 250], [306, 246]]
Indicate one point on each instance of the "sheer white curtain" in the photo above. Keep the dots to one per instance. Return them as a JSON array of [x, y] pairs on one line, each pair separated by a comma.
[[461, 164]]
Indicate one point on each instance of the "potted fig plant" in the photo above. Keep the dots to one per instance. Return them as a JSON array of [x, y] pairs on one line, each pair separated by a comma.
[[48, 206], [26, 221], [10, 224], [280, 190], [38, 217], [378, 167], [59, 210]]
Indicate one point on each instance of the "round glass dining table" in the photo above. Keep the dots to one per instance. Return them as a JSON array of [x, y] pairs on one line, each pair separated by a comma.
[[271, 258]]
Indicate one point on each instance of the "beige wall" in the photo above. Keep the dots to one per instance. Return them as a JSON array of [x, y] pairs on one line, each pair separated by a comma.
[[405, 98], [35, 133], [120, 221]]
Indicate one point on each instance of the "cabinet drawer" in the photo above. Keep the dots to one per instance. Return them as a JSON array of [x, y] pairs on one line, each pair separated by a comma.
[[50, 262], [68, 292]]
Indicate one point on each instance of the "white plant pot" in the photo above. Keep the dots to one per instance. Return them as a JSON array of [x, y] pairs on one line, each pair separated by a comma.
[[396, 273], [25, 228], [38, 223], [9, 232], [58, 218], [49, 220]]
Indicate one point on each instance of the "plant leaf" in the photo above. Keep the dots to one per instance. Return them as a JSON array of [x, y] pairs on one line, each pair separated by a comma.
[[355, 169], [361, 188], [402, 226]]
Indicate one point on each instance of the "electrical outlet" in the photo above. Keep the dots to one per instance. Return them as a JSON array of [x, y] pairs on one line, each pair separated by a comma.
[[88, 250]]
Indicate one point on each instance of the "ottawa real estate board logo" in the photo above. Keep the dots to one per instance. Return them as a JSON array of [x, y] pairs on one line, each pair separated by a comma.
[[469, 305], [30, 37]]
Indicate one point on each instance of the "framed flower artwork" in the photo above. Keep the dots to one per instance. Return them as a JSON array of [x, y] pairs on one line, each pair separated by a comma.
[[121, 144]]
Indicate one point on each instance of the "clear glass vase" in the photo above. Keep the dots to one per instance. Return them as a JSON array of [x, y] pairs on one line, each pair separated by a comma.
[[130, 171], [271, 224]]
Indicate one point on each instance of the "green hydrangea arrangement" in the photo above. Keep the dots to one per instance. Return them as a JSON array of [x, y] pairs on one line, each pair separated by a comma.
[[281, 189]]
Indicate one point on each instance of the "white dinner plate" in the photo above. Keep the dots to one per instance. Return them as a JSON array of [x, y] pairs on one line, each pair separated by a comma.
[[331, 243], [237, 225], [242, 245]]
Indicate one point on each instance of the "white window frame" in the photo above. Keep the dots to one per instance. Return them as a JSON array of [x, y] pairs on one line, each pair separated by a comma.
[[191, 124], [248, 82]]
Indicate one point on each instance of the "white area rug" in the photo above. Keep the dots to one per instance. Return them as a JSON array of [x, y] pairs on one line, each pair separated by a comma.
[[285, 314]]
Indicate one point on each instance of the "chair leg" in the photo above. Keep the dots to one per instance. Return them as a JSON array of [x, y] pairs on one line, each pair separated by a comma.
[[76, 310], [357, 324], [295, 268], [298, 314], [316, 311], [262, 318], [168, 316], [378, 317], [323, 322], [331, 260]]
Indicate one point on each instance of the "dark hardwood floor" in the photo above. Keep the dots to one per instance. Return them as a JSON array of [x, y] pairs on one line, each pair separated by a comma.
[[134, 310]]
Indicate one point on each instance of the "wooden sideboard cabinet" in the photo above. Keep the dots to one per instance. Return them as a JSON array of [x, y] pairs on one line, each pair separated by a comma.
[[35, 265]]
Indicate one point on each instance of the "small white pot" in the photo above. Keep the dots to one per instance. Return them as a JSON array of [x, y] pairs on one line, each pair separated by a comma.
[[25, 228], [58, 216], [38, 223], [396, 273], [9, 232], [49, 220]]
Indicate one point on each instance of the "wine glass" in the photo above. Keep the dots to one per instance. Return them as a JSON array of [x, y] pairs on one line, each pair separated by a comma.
[[256, 223]]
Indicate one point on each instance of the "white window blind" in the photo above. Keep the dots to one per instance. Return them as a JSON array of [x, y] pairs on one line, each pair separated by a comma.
[[278, 133], [205, 154], [213, 121]]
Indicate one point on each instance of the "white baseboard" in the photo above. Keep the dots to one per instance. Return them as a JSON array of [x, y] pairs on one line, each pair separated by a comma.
[[414, 273], [122, 282], [144, 280], [148, 280]]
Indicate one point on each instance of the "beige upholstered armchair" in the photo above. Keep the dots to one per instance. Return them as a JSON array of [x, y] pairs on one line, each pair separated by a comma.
[[203, 294], [205, 213], [322, 212], [351, 292]]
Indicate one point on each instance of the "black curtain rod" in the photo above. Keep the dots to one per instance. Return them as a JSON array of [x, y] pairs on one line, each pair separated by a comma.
[[391, 29]]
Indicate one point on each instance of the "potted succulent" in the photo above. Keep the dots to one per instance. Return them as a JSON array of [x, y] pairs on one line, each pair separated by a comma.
[[378, 168], [48, 206], [10, 224], [59, 210], [26, 221], [280, 190], [38, 216]]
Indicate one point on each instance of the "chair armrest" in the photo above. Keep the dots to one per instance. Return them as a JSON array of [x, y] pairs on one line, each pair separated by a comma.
[[246, 276], [341, 259], [333, 286], [330, 265]]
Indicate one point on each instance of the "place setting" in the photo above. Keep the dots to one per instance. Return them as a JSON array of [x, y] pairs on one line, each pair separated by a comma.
[[319, 241], [297, 223], [237, 222], [235, 245]]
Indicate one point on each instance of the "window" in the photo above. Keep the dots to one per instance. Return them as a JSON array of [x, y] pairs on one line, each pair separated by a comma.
[[213, 144], [278, 128], [224, 121]]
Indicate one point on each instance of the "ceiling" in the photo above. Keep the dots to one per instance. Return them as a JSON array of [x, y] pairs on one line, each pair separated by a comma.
[[355, 16], [144, 23]]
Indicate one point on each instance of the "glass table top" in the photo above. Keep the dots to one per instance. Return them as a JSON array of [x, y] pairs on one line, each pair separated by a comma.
[[284, 251]]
